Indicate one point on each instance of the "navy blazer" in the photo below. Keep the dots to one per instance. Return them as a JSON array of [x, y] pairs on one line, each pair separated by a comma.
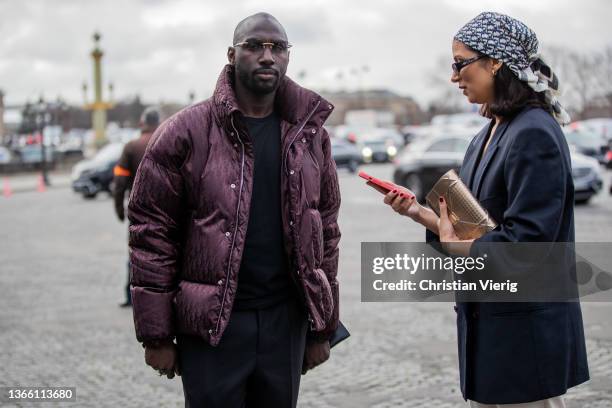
[[513, 353]]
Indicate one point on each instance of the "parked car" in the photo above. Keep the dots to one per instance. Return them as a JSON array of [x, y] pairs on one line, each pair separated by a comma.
[[587, 177], [601, 126], [466, 120], [345, 154], [377, 151], [5, 155], [70, 146], [588, 143], [414, 132], [89, 177], [380, 145], [32, 154], [425, 160]]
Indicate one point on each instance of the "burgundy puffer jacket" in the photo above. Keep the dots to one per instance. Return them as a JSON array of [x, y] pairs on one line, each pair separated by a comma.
[[189, 212]]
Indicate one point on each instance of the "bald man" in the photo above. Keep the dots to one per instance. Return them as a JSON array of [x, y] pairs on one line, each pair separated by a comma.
[[234, 234]]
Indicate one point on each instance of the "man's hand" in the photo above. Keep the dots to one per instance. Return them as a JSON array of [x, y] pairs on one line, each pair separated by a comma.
[[316, 353], [163, 358]]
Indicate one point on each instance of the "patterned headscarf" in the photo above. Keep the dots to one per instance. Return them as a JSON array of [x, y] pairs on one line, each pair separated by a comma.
[[508, 40]]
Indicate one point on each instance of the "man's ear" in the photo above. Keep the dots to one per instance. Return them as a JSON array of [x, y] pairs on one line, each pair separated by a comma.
[[231, 55]]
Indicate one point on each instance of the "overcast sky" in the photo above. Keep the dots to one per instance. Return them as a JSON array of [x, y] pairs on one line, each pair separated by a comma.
[[162, 49]]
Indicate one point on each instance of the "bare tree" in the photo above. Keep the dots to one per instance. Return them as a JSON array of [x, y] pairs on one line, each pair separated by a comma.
[[586, 78], [606, 66]]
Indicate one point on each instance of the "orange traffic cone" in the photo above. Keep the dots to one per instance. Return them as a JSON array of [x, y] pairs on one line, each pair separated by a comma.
[[41, 184], [6, 187]]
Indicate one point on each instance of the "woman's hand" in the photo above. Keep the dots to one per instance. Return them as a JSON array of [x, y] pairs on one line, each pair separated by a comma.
[[403, 202], [445, 226], [449, 239]]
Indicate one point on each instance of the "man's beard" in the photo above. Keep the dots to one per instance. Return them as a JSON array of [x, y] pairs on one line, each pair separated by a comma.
[[256, 86]]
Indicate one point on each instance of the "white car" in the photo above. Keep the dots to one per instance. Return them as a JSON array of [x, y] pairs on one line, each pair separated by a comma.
[[586, 174], [5, 155]]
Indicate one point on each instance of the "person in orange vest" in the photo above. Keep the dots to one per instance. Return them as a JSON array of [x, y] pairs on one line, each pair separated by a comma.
[[125, 170]]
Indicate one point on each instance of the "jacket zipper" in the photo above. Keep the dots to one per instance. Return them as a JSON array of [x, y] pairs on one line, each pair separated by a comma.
[[298, 133], [229, 266], [239, 201], [310, 320]]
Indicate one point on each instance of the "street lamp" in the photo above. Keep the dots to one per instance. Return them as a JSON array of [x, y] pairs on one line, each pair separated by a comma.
[[42, 118]]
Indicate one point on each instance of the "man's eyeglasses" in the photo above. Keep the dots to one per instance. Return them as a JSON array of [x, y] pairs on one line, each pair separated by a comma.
[[458, 66], [256, 46]]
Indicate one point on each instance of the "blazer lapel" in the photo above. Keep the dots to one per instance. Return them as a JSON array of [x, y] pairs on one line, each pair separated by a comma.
[[482, 167], [466, 174]]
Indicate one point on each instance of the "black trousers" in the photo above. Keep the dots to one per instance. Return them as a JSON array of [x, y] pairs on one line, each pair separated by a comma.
[[258, 362], [128, 293]]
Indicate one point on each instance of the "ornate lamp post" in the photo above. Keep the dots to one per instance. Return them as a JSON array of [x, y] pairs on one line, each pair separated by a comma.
[[99, 106]]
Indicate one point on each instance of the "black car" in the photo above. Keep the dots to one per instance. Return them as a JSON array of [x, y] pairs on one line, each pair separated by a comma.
[[89, 177], [345, 154], [375, 144], [426, 159], [379, 145]]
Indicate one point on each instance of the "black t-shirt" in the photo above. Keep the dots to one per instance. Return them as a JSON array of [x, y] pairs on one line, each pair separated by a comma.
[[264, 278]]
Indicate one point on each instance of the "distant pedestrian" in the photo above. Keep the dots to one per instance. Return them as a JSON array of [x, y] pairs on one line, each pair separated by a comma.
[[125, 171]]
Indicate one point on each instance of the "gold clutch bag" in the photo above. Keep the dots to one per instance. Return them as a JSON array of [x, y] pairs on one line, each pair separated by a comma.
[[470, 220]]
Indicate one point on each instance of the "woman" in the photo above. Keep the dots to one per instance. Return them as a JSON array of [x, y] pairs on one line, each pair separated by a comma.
[[518, 167]]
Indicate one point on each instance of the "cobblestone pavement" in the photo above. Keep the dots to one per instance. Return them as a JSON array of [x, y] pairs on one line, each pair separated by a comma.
[[62, 271]]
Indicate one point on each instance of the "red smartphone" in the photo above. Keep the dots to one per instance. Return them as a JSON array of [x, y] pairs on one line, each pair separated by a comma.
[[381, 185]]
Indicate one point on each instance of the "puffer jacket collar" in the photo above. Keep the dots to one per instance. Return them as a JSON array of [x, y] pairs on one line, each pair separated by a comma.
[[293, 103]]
